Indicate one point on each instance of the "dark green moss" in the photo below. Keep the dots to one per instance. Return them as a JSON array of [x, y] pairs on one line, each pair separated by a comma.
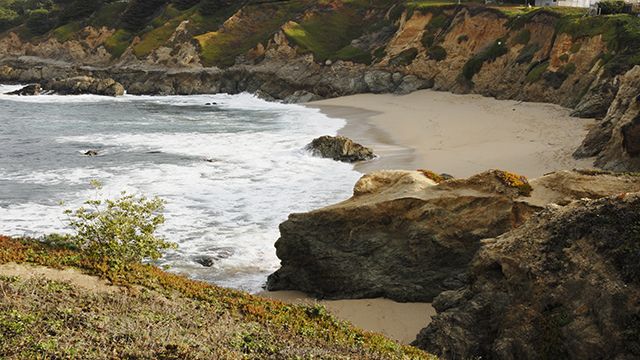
[[490, 53], [437, 53], [405, 58]]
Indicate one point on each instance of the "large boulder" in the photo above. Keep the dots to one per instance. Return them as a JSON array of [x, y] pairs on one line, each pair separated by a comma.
[[566, 285], [29, 90], [403, 236], [340, 148], [86, 85]]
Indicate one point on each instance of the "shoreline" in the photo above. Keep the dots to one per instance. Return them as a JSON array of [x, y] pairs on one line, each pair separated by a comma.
[[430, 130]]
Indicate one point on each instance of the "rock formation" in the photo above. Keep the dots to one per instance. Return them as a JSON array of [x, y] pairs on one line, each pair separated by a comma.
[[563, 286], [616, 139], [340, 148], [85, 85], [29, 90], [407, 238]]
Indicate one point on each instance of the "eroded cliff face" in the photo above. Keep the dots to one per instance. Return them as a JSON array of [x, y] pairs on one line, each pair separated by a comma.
[[563, 286], [616, 140], [407, 238]]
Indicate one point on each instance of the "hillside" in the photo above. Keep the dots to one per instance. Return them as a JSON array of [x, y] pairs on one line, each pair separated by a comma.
[[46, 312], [302, 50]]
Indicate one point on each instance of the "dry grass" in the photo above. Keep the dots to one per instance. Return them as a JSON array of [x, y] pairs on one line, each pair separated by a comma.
[[163, 316]]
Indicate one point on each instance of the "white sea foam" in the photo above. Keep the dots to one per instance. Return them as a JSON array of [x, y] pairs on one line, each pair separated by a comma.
[[228, 207]]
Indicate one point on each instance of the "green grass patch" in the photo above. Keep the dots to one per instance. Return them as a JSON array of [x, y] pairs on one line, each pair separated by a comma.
[[118, 42], [66, 32], [535, 73], [354, 54], [325, 34]]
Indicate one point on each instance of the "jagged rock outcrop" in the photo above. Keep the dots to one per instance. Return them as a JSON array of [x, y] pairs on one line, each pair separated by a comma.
[[85, 85], [340, 148], [29, 90], [616, 140], [563, 286], [407, 238]]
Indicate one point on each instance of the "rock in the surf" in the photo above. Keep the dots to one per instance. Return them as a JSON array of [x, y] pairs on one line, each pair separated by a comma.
[[340, 148], [29, 90]]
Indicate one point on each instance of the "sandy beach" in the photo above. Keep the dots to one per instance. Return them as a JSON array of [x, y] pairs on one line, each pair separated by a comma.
[[399, 321], [461, 135]]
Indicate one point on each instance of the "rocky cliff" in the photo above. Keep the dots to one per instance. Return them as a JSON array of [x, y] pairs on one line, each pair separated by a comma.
[[562, 286], [406, 237], [304, 50]]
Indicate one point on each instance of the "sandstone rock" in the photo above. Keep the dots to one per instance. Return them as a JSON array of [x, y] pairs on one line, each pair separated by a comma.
[[563, 286], [29, 90], [340, 148], [404, 237]]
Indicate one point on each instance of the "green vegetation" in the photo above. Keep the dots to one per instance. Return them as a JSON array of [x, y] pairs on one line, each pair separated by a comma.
[[609, 7], [522, 37], [118, 42], [119, 232], [157, 315], [326, 35], [490, 53], [463, 38], [536, 71], [404, 58], [437, 53]]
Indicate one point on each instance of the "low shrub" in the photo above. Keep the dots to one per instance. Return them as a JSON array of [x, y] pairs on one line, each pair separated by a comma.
[[119, 232], [405, 58], [490, 53], [437, 53]]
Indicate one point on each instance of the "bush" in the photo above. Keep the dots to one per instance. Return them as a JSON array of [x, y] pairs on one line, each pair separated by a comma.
[[522, 37], [405, 58], [40, 22], [119, 232], [490, 53], [185, 4], [210, 7], [437, 53], [612, 7], [79, 9], [8, 18], [138, 12]]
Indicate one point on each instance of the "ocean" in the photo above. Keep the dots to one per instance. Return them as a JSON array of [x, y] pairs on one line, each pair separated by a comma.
[[230, 172]]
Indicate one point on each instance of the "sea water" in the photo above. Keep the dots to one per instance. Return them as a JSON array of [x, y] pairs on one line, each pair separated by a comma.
[[230, 172]]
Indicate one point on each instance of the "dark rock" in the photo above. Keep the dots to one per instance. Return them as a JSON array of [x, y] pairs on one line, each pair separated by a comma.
[[29, 90], [206, 261], [340, 148], [86, 85], [91, 153], [563, 286]]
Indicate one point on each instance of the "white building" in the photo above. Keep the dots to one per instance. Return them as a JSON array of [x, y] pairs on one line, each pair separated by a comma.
[[567, 3]]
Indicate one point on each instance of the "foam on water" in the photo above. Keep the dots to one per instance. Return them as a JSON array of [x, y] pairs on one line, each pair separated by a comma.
[[227, 207]]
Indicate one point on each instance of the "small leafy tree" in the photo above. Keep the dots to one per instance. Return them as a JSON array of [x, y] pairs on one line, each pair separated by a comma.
[[119, 232]]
